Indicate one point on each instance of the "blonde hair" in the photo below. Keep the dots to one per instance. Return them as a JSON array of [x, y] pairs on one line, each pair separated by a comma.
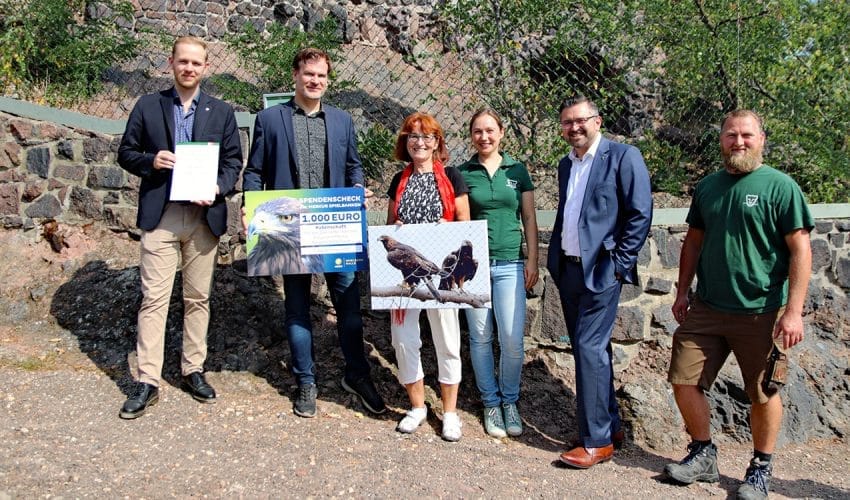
[[190, 40]]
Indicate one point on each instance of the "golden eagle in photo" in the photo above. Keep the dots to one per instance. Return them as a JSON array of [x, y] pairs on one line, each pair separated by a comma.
[[458, 267], [277, 226], [413, 265]]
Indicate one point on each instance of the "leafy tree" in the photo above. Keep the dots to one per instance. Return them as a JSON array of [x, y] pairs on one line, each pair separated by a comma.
[[58, 50], [782, 58], [527, 55], [690, 60]]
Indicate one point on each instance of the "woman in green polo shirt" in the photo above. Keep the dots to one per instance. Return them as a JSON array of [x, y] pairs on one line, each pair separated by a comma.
[[500, 192]]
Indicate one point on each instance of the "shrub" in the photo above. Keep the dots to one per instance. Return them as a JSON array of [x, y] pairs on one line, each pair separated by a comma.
[[375, 146], [60, 48]]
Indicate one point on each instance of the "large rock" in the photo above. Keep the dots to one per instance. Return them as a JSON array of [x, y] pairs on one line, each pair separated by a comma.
[[821, 257], [9, 199], [630, 325], [106, 177], [85, 203], [842, 272], [121, 218], [38, 161], [46, 207], [72, 172], [96, 149], [669, 247]]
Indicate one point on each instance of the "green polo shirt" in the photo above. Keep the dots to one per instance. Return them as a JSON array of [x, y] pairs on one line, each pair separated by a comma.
[[744, 261], [498, 200]]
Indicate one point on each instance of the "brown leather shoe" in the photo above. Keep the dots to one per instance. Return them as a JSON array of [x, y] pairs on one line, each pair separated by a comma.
[[618, 439], [585, 458]]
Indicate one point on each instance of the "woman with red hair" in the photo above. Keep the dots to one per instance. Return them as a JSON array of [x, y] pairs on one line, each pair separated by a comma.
[[426, 191]]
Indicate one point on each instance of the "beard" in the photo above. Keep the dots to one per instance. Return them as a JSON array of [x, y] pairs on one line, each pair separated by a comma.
[[742, 164]]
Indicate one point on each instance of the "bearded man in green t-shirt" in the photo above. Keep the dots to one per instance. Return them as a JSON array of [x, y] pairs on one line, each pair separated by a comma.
[[748, 245]]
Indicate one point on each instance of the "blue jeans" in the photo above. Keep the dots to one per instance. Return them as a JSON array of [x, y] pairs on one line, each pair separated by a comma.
[[345, 296], [508, 302]]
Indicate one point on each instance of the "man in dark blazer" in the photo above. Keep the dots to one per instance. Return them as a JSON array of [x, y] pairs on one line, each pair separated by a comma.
[[176, 234], [604, 215], [305, 144]]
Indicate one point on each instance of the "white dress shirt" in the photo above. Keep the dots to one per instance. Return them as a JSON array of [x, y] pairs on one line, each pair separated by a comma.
[[576, 187]]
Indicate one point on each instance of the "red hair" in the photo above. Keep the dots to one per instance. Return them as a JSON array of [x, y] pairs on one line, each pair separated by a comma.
[[427, 125]]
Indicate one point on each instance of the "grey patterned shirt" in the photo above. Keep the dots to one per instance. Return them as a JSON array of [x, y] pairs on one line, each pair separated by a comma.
[[311, 148]]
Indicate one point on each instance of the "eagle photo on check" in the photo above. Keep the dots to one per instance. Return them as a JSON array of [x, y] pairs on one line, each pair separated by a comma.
[[414, 266], [458, 267], [277, 226]]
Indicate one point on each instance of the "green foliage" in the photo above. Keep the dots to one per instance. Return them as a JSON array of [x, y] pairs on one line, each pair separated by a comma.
[[783, 58], [527, 56], [375, 146], [667, 163], [268, 56], [692, 61], [57, 50]]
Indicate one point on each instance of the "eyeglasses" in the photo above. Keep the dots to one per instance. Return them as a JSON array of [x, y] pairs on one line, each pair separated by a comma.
[[578, 121], [427, 138]]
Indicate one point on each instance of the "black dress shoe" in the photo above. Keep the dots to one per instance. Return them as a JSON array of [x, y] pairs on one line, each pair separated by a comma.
[[145, 395], [198, 387]]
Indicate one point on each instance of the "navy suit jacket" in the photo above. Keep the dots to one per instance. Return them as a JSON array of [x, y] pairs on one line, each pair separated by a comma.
[[150, 129], [615, 217], [273, 162]]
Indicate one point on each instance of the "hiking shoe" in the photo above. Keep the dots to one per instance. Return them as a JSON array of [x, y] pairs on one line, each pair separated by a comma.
[[451, 426], [493, 423], [412, 420], [364, 389], [513, 424], [699, 465], [305, 400], [756, 481]]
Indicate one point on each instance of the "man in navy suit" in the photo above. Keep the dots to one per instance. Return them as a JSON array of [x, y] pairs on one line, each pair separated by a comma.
[[305, 144], [603, 218], [177, 234]]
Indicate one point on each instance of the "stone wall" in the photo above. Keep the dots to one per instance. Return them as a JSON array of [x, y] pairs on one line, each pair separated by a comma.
[[53, 172], [50, 172], [379, 22]]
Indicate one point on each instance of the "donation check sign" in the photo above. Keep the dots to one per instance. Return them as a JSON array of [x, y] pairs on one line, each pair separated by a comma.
[[305, 231]]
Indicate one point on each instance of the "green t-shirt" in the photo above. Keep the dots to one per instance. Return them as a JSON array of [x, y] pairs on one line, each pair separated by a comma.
[[498, 200], [743, 264]]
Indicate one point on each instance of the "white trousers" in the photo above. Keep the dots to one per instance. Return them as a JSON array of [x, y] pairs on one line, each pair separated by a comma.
[[407, 340]]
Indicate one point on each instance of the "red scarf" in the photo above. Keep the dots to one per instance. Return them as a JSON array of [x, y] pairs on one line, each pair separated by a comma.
[[447, 199], [444, 186]]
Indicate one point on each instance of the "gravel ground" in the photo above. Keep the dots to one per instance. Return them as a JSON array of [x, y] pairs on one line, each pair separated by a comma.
[[62, 437], [64, 370]]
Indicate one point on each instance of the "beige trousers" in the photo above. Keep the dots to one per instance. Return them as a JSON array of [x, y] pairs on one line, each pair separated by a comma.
[[181, 240]]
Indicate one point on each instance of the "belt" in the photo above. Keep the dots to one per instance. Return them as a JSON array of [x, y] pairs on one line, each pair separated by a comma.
[[572, 258]]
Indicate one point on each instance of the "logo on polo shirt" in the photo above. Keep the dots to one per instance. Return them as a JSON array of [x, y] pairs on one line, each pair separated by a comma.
[[752, 200], [511, 183]]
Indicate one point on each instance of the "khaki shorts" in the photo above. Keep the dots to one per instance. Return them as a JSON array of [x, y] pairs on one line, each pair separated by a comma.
[[703, 342]]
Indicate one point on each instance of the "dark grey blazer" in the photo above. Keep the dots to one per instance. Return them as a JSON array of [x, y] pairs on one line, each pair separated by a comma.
[[272, 163], [150, 129]]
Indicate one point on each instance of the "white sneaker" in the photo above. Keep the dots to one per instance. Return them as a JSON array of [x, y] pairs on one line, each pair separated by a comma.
[[412, 420], [451, 427]]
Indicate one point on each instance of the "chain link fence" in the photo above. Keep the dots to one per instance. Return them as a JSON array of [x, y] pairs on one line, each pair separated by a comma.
[[662, 72]]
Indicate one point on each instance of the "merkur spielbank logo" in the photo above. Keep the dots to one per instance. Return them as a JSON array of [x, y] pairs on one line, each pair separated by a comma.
[[752, 200]]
